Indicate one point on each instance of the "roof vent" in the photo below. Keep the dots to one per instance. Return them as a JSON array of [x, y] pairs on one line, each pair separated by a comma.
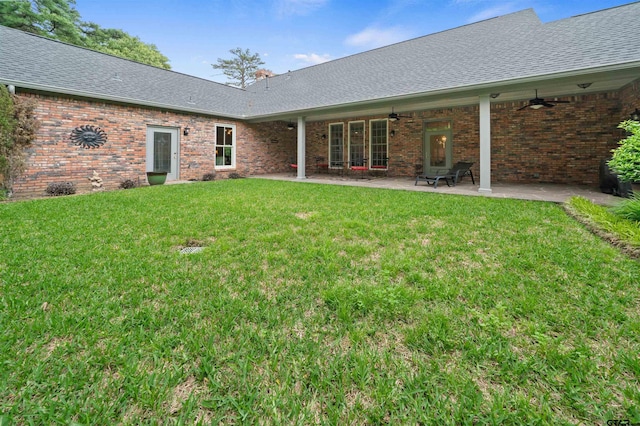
[[116, 77]]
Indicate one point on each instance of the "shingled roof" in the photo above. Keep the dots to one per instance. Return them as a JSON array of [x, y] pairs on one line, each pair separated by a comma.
[[37, 62], [493, 52]]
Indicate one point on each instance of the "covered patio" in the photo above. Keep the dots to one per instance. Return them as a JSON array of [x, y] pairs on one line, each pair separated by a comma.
[[557, 193]]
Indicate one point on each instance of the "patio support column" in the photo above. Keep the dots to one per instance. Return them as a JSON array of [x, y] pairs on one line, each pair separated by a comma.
[[485, 144], [302, 144]]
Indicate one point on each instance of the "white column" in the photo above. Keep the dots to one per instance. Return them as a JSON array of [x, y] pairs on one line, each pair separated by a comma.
[[302, 143], [485, 144]]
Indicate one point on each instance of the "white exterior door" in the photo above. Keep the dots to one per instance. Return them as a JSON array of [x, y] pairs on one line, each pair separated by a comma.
[[163, 152]]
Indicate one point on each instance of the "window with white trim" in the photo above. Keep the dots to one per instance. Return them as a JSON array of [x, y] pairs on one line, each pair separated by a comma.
[[336, 145], [356, 143], [225, 146], [378, 140]]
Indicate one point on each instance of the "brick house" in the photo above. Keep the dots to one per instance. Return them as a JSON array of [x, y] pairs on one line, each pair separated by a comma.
[[525, 101]]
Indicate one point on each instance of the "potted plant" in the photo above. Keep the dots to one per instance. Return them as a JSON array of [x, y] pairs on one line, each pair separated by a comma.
[[157, 177]]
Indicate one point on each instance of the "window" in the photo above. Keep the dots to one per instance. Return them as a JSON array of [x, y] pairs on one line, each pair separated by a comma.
[[225, 146], [356, 143], [378, 140], [161, 152], [336, 145]]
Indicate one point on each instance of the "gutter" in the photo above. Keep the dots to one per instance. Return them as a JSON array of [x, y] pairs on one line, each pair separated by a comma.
[[470, 90]]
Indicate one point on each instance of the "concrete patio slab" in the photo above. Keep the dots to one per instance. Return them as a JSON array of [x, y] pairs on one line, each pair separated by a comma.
[[538, 192]]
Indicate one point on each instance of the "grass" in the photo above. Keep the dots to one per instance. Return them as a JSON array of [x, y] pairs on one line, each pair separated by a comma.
[[311, 304], [609, 222]]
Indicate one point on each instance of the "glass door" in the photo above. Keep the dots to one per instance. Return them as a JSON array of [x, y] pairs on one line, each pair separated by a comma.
[[438, 147], [162, 151], [356, 144]]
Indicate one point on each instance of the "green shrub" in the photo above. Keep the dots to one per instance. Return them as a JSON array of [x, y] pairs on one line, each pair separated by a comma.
[[629, 208], [209, 176], [626, 158]]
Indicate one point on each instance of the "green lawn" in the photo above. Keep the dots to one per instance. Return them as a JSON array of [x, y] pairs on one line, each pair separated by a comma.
[[311, 304]]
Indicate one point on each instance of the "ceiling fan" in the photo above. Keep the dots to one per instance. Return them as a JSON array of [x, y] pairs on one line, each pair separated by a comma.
[[537, 103], [395, 117]]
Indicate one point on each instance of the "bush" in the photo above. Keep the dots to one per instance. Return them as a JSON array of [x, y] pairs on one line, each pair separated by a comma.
[[629, 209], [234, 175], [626, 158], [209, 177], [18, 128], [128, 184], [61, 188]]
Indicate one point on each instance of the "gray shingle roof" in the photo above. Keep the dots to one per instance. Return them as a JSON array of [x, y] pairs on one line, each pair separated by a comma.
[[43, 63], [510, 47], [495, 51]]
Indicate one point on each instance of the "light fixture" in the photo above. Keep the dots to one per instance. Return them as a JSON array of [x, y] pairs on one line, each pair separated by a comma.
[[494, 95], [584, 85], [536, 106], [635, 115], [290, 126], [186, 131], [392, 133]]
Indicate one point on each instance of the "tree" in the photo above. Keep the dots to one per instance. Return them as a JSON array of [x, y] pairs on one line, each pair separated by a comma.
[[59, 20], [241, 69], [119, 43], [626, 158]]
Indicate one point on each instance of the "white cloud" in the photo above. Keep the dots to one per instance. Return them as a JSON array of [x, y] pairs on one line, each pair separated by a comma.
[[312, 59], [373, 37], [298, 7], [492, 12]]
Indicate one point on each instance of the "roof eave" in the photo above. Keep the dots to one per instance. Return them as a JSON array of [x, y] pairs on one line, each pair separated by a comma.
[[119, 99], [483, 88]]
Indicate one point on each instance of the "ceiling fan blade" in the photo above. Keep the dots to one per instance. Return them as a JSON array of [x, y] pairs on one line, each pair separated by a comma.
[[560, 102], [547, 104], [524, 107]]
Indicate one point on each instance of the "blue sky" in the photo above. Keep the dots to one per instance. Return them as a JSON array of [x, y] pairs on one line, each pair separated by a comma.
[[293, 34]]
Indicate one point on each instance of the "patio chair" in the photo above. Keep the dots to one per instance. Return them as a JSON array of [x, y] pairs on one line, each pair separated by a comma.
[[321, 164], [359, 165], [382, 167], [454, 174]]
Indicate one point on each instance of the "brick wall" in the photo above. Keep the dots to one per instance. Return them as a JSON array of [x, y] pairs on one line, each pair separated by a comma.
[[630, 98], [563, 144], [54, 158]]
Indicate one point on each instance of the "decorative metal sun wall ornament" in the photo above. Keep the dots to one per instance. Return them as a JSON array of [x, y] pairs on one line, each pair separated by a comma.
[[88, 136]]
